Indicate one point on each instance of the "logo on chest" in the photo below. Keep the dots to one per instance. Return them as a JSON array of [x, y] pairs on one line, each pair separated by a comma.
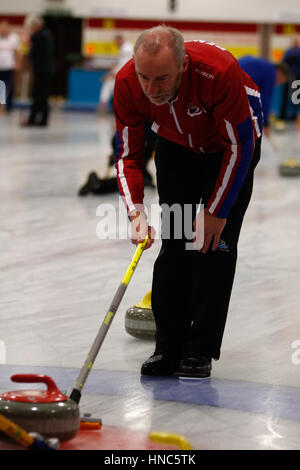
[[193, 110]]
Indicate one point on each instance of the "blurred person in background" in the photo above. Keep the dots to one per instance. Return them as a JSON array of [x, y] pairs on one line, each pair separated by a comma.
[[42, 61], [292, 59], [10, 57], [97, 185], [107, 89], [266, 75]]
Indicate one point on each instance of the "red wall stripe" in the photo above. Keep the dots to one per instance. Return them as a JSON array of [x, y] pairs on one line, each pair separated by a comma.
[[13, 19], [123, 23], [281, 29]]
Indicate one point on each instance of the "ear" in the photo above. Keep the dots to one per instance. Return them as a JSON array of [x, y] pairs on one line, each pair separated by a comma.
[[185, 63]]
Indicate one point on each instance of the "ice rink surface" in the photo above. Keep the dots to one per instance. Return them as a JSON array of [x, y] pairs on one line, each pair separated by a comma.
[[57, 280]]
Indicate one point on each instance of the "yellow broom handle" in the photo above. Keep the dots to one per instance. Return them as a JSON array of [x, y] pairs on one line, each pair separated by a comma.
[[15, 432]]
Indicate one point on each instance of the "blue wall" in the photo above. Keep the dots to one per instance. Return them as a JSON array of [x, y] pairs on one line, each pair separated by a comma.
[[84, 88]]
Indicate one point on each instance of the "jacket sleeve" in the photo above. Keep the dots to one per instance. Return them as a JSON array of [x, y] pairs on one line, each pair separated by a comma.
[[233, 117], [130, 144]]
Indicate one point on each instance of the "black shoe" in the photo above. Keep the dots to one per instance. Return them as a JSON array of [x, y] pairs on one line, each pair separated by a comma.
[[159, 364], [194, 365], [92, 185]]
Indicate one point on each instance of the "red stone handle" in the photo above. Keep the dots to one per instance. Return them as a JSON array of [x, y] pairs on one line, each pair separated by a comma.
[[36, 378]]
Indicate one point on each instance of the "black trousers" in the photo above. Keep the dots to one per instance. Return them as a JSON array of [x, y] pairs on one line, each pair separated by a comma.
[[191, 290], [39, 111]]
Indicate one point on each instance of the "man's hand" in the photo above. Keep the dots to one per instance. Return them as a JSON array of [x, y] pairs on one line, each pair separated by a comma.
[[208, 229], [139, 229]]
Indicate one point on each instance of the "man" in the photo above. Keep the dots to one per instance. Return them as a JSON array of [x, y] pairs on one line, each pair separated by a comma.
[[9, 60], [208, 117], [42, 60], [266, 75], [292, 60], [106, 185], [107, 90]]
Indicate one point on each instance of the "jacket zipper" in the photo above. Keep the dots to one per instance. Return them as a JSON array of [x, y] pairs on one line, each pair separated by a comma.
[[172, 111]]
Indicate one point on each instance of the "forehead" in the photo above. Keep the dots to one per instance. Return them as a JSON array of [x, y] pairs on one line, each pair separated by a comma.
[[159, 63]]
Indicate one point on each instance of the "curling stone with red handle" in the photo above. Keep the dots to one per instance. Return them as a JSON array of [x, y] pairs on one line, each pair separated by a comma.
[[48, 412]]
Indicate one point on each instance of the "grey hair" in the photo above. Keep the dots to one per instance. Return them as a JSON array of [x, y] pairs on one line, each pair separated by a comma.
[[33, 21], [153, 39]]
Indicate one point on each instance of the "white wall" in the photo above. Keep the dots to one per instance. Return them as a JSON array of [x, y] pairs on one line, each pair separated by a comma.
[[16, 7], [197, 10], [262, 11]]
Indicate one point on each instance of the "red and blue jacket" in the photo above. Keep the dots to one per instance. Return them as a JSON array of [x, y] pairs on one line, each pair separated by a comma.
[[217, 108]]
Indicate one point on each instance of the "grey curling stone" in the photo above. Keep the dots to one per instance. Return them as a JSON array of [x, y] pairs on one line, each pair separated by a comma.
[[139, 320], [49, 413], [290, 168]]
